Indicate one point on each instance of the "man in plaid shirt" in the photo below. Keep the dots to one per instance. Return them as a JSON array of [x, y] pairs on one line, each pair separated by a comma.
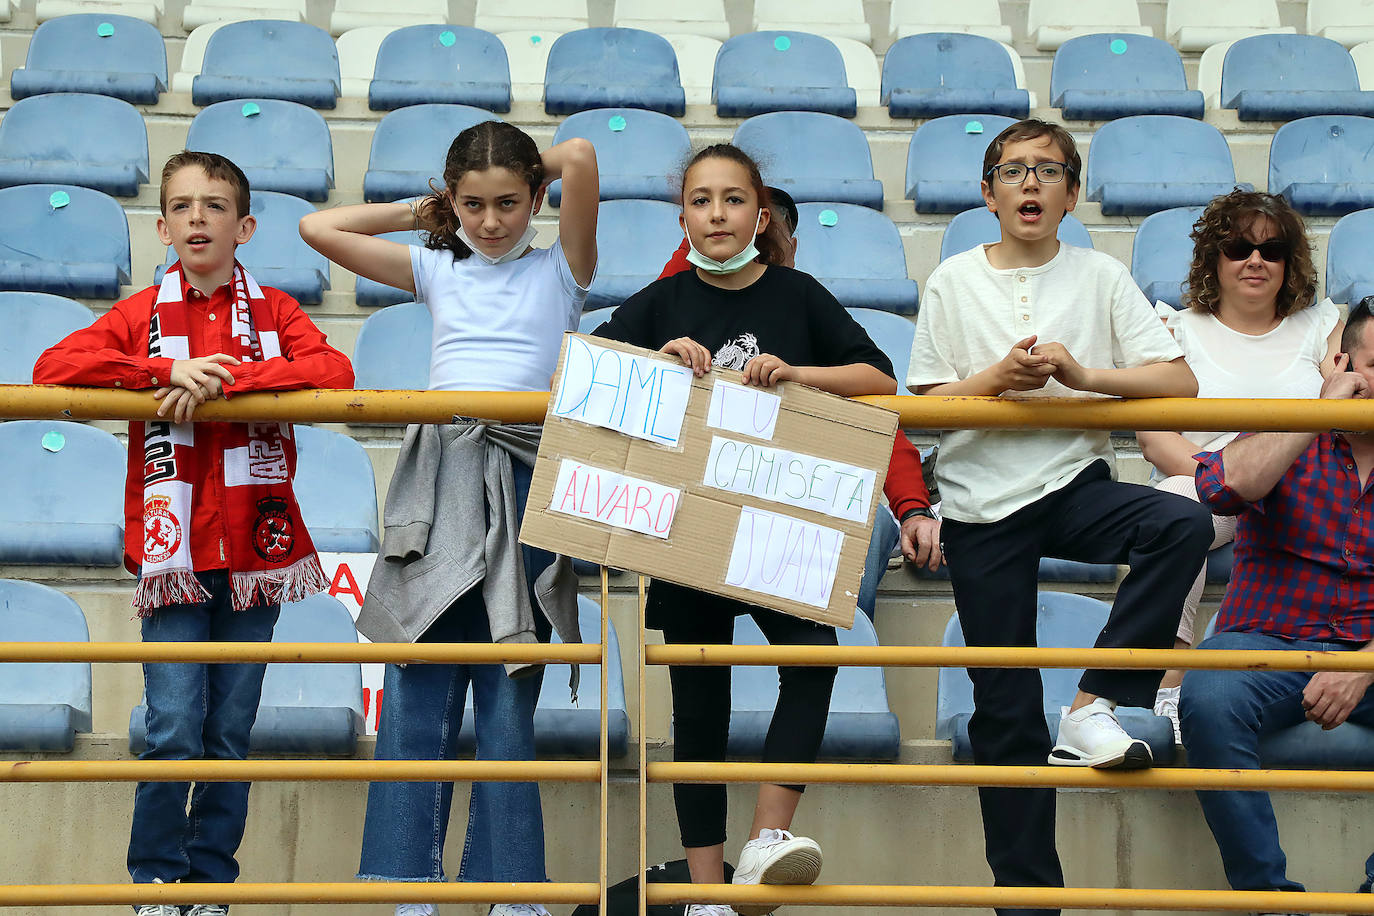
[[1303, 579]]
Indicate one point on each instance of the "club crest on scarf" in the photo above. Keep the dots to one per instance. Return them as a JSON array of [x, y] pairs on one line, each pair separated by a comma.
[[161, 530], [273, 534]]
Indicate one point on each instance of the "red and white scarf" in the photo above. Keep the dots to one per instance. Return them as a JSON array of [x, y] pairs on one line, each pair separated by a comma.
[[268, 551]]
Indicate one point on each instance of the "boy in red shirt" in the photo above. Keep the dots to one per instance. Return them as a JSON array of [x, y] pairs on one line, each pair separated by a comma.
[[211, 525]]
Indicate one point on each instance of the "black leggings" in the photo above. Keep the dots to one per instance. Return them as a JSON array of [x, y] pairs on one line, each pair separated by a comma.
[[701, 705]]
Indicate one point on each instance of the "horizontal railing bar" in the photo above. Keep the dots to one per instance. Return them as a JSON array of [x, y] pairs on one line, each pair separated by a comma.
[[397, 652], [300, 771], [303, 892]]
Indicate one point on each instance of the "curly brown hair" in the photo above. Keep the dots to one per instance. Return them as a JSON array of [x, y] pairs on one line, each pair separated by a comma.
[[1231, 216]]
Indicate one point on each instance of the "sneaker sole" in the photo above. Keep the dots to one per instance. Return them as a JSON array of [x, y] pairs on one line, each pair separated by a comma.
[[1135, 756], [800, 866]]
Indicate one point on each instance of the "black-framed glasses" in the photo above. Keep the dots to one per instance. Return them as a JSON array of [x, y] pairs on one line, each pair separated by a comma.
[[1273, 251], [1016, 172]]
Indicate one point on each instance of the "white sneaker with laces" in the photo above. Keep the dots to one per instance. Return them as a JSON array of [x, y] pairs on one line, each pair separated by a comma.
[[158, 909], [208, 909], [1092, 737], [776, 857], [709, 909], [414, 909], [1166, 705], [518, 909]]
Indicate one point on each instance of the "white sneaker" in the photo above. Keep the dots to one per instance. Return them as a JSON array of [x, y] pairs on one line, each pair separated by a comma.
[[208, 909], [709, 909], [158, 909], [412, 909], [518, 909], [776, 857], [1166, 705], [1092, 737]]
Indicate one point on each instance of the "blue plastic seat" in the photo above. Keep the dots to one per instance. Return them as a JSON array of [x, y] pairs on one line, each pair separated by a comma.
[[1146, 163], [37, 253], [1162, 254], [612, 68], [90, 52], [892, 333], [944, 162], [447, 64], [781, 71], [1064, 621], [409, 147], [857, 254], [634, 239], [1322, 164], [1282, 77], [392, 350], [64, 501], [29, 324], [73, 138], [1219, 563], [1349, 269], [950, 73], [336, 491], [269, 58], [860, 726], [638, 153], [42, 704], [281, 146], [812, 156], [1051, 569], [1101, 77], [368, 292], [979, 226], [592, 320]]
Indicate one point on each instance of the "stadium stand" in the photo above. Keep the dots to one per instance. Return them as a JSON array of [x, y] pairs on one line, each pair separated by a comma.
[[370, 293], [1145, 163], [527, 52], [203, 12], [281, 146], [1162, 252], [1321, 164], [979, 226], [42, 704], [831, 18], [356, 14], [193, 54], [612, 68], [36, 253], [1282, 77], [101, 53], [388, 346], [702, 17], [893, 334], [554, 15], [948, 73], [696, 65], [410, 145], [149, 11], [634, 239], [781, 71], [812, 156], [944, 161], [1363, 55], [592, 320], [861, 69], [857, 254], [975, 17], [357, 50], [74, 138], [1194, 26], [1346, 21], [1050, 23], [1101, 77], [29, 324], [336, 491], [1349, 271], [638, 153], [440, 64], [269, 58]]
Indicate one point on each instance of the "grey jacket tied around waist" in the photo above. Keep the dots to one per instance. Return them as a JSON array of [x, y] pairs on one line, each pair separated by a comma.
[[450, 525]]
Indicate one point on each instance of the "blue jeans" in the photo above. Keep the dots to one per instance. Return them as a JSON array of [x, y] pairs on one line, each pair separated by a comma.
[[1223, 714], [886, 534], [197, 712], [422, 712]]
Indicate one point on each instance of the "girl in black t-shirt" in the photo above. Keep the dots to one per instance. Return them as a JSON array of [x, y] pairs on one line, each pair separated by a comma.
[[739, 308]]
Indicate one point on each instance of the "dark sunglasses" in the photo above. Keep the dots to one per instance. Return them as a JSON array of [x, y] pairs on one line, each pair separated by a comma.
[[1273, 251]]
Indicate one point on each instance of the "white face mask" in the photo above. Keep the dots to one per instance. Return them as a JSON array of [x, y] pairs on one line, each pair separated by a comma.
[[731, 265], [516, 251]]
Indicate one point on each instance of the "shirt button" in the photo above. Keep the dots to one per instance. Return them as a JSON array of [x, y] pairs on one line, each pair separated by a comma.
[[212, 316], [1025, 318], [118, 383], [153, 380], [1022, 279], [1023, 299]]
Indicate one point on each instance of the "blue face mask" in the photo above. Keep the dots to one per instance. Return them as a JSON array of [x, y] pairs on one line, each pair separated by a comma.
[[731, 265]]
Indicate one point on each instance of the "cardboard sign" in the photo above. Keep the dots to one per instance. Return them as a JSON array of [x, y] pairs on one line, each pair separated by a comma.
[[766, 495]]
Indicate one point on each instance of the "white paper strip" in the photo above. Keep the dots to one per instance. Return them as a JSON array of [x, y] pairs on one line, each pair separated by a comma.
[[790, 478], [743, 409], [783, 556], [615, 499], [640, 397]]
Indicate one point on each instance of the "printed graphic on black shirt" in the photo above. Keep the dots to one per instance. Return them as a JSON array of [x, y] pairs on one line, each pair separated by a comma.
[[736, 352]]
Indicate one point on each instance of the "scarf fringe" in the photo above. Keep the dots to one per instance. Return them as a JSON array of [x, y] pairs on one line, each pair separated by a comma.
[[162, 589], [278, 586]]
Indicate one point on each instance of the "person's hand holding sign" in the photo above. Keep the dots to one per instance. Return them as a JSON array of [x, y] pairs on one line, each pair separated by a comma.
[[693, 355], [766, 370]]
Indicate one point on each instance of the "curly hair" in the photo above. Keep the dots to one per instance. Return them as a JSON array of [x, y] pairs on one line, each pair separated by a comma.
[[1231, 216]]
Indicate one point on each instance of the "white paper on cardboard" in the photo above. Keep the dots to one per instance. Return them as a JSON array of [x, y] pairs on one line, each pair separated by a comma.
[[615, 499], [784, 556], [743, 409], [632, 394], [791, 478]]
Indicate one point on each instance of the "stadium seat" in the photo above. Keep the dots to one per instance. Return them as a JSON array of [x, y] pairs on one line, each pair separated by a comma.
[[193, 54], [336, 491], [860, 726], [1191, 26], [892, 333], [702, 17], [554, 15], [78, 53], [281, 146], [203, 12], [1066, 621], [696, 65], [440, 63], [528, 55], [66, 494], [387, 354], [1283, 77], [612, 68], [812, 156], [860, 68], [781, 71], [74, 138], [357, 50], [1346, 21], [975, 17], [409, 147], [42, 704], [979, 226], [1363, 55], [1162, 254], [269, 58], [1146, 163], [148, 11], [36, 250], [1050, 23], [1101, 77], [634, 239], [1219, 562], [857, 254], [370, 293], [1321, 164], [29, 324], [592, 320], [1051, 570], [949, 73], [945, 160], [356, 14], [638, 153], [1349, 269], [831, 18]]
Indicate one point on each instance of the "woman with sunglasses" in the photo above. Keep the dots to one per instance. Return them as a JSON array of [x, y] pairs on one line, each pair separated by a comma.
[[1249, 329]]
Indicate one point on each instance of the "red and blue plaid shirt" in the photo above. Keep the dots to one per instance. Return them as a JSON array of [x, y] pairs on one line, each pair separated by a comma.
[[1304, 566]]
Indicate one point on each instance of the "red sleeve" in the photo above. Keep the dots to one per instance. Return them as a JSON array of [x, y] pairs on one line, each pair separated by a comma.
[[111, 353], [678, 262], [307, 360], [905, 488]]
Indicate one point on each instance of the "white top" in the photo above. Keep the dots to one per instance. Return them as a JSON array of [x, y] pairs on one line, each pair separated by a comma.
[[1283, 363], [497, 327], [971, 315]]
